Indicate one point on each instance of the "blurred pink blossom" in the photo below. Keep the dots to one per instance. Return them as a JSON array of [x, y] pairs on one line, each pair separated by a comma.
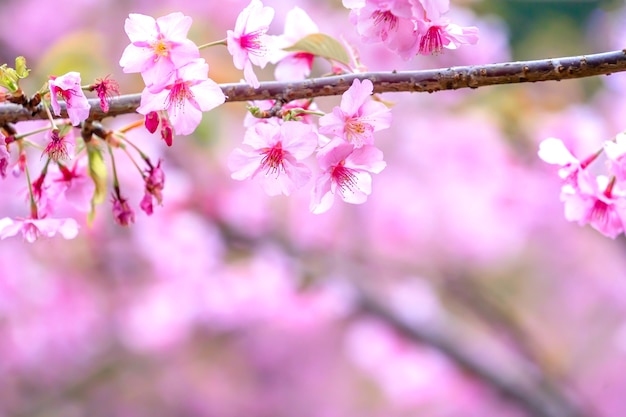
[[436, 32], [74, 185], [293, 66], [4, 156], [32, 229], [599, 204], [248, 43], [616, 154]]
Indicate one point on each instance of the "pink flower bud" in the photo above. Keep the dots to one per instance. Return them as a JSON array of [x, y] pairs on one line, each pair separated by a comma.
[[152, 121]]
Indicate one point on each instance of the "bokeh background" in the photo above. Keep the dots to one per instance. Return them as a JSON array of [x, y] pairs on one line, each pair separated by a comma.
[[227, 302]]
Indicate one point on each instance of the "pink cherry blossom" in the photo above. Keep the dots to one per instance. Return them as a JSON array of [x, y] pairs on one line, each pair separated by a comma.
[[345, 171], [4, 156], [123, 213], [74, 185], [32, 229], [390, 22], [274, 156], [248, 43], [294, 66], [158, 46], [600, 204], [59, 147], [357, 117], [616, 154], [187, 94], [436, 32], [68, 87], [106, 88]]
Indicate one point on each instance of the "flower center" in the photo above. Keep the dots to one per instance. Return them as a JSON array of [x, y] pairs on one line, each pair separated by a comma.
[[273, 159], [357, 132], [161, 48], [252, 42], [432, 41], [344, 178], [179, 94]]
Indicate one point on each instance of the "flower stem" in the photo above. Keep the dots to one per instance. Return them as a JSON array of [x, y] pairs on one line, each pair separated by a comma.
[[214, 43]]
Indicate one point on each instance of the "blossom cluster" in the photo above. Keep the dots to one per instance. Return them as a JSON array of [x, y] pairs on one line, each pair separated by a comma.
[[598, 200], [175, 75], [409, 27], [275, 149], [177, 90]]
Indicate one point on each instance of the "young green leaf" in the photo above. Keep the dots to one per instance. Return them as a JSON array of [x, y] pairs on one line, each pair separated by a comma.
[[322, 45]]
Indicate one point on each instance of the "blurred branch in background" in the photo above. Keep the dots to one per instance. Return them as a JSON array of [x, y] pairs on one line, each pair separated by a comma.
[[454, 78]]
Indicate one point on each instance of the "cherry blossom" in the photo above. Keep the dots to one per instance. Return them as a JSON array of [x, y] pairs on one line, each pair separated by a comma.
[[32, 229], [106, 88], [600, 204], [4, 156], [553, 151], [74, 185], [436, 32], [123, 213], [357, 117], [59, 148], [158, 46], [294, 65], [274, 156], [155, 181], [248, 43], [346, 172], [68, 87], [187, 94]]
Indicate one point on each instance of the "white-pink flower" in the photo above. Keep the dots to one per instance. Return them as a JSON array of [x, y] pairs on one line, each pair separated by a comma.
[[32, 229], [248, 43], [187, 93], [158, 46], [273, 156], [357, 117], [573, 171], [68, 88], [293, 65], [345, 172]]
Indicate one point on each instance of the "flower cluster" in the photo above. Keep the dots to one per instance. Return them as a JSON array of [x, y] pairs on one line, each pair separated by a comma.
[[409, 27], [176, 77], [598, 200], [275, 150]]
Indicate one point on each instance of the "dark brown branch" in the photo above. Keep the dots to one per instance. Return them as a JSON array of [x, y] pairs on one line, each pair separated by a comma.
[[453, 78]]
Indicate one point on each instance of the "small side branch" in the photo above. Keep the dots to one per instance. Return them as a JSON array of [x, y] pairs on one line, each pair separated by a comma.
[[454, 78]]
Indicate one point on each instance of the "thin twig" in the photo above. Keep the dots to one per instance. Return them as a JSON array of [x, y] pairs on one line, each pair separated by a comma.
[[474, 76]]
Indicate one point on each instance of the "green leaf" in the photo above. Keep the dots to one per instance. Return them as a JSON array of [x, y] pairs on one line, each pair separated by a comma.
[[20, 67], [322, 45], [98, 174]]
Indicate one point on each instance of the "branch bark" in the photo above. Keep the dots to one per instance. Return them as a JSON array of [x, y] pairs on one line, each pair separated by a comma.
[[454, 78]]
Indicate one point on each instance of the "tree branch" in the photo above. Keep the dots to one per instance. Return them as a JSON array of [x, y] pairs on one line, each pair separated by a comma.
[[530, 392], [453, 78]]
